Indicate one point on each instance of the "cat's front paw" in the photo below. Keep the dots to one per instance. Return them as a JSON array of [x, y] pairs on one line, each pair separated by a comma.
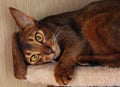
[[63, 73]]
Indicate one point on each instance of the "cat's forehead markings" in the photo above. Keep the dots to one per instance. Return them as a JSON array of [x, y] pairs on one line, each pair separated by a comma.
[[27, 56], [28, 51], [30, 31], [40, 31], [35, 53], [30, 37]]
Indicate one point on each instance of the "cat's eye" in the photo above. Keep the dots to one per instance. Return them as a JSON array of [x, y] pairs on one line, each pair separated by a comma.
[[34, 58], [39, 37]]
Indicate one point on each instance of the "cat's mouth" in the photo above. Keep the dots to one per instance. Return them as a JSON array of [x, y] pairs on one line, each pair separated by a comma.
[[52, 57]]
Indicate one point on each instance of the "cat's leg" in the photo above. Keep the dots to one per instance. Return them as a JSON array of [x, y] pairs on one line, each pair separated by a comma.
[[20, 67], [103, 60], [64, 69]]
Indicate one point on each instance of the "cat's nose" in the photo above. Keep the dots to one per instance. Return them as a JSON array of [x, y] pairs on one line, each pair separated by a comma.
[[47, 50]]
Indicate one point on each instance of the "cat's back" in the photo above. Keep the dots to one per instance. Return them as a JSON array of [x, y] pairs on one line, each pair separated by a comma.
[[86, 13], [96, 8], [80, 17], [102, 27]]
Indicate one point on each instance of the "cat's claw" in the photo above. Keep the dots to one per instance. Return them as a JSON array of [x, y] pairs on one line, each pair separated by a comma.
[[63, 73]]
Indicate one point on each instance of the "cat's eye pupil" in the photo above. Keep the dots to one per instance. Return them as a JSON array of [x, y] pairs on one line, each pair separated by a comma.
[[38, 37], [34, 57]]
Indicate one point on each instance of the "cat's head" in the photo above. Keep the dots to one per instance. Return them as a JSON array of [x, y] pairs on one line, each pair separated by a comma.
[[37, 43]]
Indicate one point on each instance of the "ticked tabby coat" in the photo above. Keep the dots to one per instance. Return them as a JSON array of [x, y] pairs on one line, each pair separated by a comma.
[[90, 35]]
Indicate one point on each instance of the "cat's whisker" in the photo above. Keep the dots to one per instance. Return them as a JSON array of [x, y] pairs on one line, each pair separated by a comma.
[[62, 37], [59, 30], [58, 36], [58, 33]]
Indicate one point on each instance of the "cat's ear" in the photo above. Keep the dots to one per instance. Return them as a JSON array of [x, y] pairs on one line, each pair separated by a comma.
[[21, 18], [20, 68]]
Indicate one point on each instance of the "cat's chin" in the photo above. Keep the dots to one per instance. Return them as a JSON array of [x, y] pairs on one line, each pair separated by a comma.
[[53, 61]]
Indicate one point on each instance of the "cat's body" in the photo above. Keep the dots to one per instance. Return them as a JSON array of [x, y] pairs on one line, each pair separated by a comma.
[[90, 35], [79, 22]]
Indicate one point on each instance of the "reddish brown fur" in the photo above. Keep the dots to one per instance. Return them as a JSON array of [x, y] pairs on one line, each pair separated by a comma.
[[92, 35]]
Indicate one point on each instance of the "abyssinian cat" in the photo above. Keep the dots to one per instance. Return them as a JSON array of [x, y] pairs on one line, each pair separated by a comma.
[[90, 35]]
